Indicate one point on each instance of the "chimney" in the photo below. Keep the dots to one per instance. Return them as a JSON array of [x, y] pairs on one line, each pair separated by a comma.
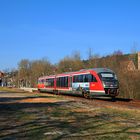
[[138, 60]]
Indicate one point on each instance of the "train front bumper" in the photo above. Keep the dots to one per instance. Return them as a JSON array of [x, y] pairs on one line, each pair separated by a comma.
[[111, 88]]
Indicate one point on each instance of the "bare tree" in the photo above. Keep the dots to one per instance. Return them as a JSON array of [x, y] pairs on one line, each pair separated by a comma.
[[40, 68], [118, 52], [70, 64], [24, 69], [30, 71]]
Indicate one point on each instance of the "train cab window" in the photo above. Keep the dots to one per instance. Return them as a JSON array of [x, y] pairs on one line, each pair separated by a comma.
[[107, 76]]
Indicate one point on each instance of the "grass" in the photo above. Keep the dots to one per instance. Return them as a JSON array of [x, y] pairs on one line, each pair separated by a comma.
[[10, 89], [67, 120]]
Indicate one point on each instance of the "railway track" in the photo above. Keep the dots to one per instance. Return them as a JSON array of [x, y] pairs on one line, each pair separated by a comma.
[[107, 102]]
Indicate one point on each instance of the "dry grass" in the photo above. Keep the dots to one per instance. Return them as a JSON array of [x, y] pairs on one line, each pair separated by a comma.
[[3, 89]]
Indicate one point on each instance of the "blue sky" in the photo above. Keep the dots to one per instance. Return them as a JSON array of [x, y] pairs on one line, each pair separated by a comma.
[[33, 29]]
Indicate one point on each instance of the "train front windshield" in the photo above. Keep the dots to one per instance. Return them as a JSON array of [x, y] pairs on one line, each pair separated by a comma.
[[105, 76]]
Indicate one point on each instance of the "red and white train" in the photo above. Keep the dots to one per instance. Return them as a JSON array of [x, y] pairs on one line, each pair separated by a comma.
[[87, 82]]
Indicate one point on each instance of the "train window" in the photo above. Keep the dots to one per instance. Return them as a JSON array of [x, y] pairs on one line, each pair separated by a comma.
[[42, 81], [49, 82], [80, 78], [62, 82], [75, 78], [89, 78], [66, 81], [84, 78]]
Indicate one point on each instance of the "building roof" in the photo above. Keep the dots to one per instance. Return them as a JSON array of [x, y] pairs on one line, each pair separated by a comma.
[[1, 74]]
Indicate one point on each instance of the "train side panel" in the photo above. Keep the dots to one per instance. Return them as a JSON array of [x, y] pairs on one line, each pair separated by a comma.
[[82, 82], [96, 88]]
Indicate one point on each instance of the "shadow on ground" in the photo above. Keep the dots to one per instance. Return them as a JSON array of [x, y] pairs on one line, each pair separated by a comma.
[[60, 120]]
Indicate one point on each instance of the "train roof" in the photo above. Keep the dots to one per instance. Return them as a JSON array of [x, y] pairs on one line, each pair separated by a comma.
[[99, 70], [49, 76]]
